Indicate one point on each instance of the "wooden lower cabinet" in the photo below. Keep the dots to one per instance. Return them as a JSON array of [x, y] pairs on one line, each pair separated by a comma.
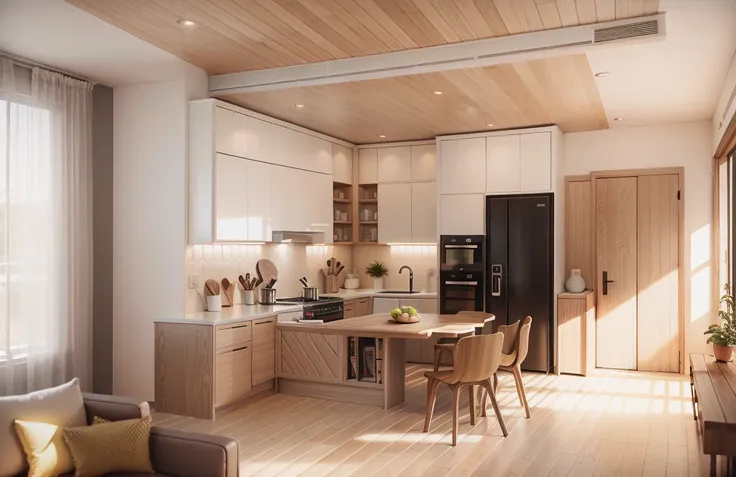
[[233, 374], [264, 339], [576, 333], [312, 356], [348, 307], [363, 306]]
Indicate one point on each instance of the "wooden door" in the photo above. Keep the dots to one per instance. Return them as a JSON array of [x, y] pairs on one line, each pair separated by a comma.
[[616, 250], [658, 273]]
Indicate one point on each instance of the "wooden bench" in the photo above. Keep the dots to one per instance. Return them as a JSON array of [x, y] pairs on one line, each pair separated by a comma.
[[714, 406]]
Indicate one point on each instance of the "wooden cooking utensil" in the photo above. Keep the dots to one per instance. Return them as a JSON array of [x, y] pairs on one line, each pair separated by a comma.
[[244, 281], [339, 270], [266, 271], [228, 289], [329, 267], [211, 288], [253, 284]]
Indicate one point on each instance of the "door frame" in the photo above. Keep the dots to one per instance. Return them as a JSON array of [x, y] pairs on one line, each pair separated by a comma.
[[680, 171]]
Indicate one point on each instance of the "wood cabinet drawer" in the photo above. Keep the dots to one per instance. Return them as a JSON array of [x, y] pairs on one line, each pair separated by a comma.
[[363, 306], [264, 340], [229, 335], [349, 309], [232, 374]]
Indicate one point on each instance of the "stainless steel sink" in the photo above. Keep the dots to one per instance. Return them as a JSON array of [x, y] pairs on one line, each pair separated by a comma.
[[399, 292]]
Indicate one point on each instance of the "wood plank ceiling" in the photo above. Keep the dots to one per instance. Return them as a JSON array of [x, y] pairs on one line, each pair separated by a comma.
[[240, 35]]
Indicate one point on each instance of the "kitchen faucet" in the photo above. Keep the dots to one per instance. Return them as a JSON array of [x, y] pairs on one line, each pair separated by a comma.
[[411, 277]]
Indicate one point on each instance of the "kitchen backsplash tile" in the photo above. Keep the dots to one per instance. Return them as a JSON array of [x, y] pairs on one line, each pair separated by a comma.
[[228, 261]]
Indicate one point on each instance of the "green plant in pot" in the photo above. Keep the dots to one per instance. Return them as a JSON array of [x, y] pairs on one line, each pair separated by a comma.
[[723, 335], [377, 270]]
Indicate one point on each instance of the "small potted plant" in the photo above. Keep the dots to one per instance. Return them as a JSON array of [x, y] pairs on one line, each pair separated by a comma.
[[723, 335], [377, 270]]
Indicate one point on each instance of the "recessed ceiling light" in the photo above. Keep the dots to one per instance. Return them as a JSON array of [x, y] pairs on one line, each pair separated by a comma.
[[299, 106], [618, 119], [490, 125], [602, 74], [186, 23], [382, 136], [438, 92]]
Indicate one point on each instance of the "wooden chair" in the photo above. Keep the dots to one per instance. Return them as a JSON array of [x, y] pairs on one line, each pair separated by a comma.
[[515, 349], [447, 345], [476, 359]]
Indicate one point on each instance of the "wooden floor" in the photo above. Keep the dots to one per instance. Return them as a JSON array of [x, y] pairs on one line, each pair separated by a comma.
[[613, 423]]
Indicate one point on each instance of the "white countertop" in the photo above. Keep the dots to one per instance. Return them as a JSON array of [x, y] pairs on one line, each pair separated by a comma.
[[231, 314], [364, 292]]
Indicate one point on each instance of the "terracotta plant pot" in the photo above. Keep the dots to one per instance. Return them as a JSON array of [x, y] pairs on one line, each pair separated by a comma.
[[723, 353]]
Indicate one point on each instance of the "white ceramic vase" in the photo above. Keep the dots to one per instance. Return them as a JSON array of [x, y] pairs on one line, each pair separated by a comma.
[[378, 283], [214, 302], [576, 283]]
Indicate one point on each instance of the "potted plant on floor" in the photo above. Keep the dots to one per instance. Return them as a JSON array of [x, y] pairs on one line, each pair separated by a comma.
[[377, 270], [723, 335]]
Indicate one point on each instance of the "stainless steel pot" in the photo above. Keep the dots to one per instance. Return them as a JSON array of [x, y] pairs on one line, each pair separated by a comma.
[[266, 296], [310, 293]]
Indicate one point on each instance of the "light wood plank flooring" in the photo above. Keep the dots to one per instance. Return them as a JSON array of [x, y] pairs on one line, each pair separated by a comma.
[[612, 423]]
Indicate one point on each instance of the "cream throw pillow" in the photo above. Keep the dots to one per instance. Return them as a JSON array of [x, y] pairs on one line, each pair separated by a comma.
[[45, 449], [120, 446]]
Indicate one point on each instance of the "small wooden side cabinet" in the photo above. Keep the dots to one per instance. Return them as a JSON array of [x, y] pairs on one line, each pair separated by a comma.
[[576, 332]]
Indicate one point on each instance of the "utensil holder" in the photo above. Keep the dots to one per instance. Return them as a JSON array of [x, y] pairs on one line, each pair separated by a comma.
[[213, 302], [249, 297], [266, 296]]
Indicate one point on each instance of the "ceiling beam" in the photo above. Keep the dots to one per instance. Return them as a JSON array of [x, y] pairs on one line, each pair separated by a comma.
[[471, 54]]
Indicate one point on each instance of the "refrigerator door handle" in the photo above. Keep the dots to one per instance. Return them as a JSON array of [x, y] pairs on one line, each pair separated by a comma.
[[606, 281], [496, 276], [473, 284]]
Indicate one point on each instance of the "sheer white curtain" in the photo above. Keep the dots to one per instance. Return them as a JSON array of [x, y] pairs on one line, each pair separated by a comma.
[[45, 231]]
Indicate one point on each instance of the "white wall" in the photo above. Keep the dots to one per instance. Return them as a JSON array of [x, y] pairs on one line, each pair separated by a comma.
[[688, 145], [721, 117], [149, 220]]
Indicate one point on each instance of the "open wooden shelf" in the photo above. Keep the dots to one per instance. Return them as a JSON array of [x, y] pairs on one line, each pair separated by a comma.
[[341, 201], [342, 242], [368, 201], [368, 222], [340, 222]]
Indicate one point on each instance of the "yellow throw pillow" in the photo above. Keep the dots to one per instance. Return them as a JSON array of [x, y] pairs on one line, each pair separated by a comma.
[[45, 449], [120, 446]]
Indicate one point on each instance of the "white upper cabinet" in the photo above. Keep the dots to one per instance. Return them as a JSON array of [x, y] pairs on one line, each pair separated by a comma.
[[423, 212], [258, 199], [283, 145], [463, 165], [367, 166], [394, 164], [462, 214], [321, 214], [231, 132], [342, 164], [231, 207], [502, 164], [394, 213], [285, 198], [322, 156], [424, 162], [536, 162], [258, 145]]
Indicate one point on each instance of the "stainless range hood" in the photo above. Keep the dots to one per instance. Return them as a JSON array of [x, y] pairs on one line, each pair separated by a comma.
[[298, 236]]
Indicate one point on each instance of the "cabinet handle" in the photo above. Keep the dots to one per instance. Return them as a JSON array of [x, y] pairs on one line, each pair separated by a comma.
[[240, 349], [263, 322], [240, 326]]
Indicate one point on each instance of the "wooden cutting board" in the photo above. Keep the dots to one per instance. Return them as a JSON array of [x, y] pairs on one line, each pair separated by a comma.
[[266, 270]]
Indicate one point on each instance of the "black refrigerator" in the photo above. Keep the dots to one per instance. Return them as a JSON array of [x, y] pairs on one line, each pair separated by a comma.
[[519, 267]]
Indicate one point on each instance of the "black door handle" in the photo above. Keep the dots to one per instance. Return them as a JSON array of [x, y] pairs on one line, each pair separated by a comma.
[[606, 281]]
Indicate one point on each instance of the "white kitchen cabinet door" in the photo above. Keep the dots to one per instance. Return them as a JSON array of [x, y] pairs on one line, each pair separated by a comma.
[[342, 164], [462, 214], [285, 197], [231, 205], [231, 132], [282, 146], [417, 303], [367, 166], [385, 305], [536, 162], [322, 155], [394, 213], [463, 166], [503, 164], [424, 162], [319, 204], [394, 164], [258, 193], [259, 140], [423, 212]]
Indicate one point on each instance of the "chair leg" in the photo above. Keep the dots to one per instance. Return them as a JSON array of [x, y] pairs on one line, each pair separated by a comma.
[[437, 357], [492, 395], [455, 411], [431, 399], [520, 389], [483, 400], [495, 381], [471, 401]]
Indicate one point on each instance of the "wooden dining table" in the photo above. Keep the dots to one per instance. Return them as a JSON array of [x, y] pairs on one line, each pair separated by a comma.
[[313, 359]]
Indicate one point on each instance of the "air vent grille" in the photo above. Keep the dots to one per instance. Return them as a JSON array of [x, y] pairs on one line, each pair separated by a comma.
[[630, 30]]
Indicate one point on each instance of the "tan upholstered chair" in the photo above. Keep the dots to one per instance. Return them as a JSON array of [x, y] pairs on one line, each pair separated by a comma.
[[476, 359], [515, 349]]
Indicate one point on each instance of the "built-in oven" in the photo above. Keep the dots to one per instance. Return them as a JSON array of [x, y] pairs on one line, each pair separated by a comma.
[[461, 253], [461, 291]]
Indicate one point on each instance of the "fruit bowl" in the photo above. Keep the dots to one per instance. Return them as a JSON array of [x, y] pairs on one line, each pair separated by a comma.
[[405, 314]]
